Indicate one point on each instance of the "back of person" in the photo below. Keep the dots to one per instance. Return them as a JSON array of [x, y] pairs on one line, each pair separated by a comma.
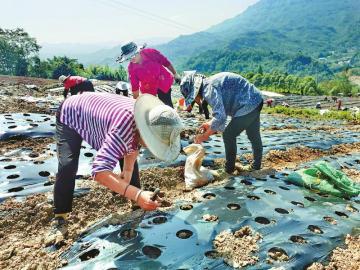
[[150, 74], [80, 111], [239, 96]]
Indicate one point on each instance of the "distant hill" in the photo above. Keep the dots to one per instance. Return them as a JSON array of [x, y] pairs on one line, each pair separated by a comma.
[[92, 53], [276, 34]]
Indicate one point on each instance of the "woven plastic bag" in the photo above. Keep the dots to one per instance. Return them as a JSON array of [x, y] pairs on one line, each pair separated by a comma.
[[323, 178]]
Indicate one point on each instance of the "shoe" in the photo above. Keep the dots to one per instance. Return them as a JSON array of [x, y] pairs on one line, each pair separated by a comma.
[[244, 168], [221, 174], [58, 231]]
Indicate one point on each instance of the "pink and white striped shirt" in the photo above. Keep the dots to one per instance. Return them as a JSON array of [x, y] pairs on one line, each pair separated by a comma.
[[106, 122]]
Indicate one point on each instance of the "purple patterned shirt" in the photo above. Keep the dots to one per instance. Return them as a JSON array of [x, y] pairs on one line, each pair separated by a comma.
[[106, 122]]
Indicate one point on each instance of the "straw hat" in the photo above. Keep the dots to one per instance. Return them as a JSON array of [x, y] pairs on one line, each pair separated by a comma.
[[159, 126], [63, 78], [128, 50]]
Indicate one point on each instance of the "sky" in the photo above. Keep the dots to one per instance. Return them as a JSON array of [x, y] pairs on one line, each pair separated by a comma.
[[114, 21]]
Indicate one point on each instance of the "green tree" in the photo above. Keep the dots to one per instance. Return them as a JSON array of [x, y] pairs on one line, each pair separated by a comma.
[[16, 50]]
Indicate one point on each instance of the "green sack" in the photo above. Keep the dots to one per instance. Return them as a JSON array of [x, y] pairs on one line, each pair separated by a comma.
[[325, 179]]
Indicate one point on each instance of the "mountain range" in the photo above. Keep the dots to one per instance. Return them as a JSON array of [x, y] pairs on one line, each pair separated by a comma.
[[294, 36]]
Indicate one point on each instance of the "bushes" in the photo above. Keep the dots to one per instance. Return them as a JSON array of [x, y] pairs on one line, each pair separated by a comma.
[[19, 56], [313, 113]]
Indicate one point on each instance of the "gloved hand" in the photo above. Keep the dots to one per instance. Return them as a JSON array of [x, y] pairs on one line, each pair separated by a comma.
[[177, 78], [145, 202]]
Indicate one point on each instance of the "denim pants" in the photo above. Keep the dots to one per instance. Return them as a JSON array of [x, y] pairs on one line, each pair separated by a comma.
[[68, 145], [251, 124]]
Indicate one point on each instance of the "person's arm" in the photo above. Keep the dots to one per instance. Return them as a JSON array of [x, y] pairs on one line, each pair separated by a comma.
[[135, 94], [218, 122], [134, 81], [114, 183], [129, 161]]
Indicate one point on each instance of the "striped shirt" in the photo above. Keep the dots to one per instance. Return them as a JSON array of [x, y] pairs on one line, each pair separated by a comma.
[[106, 122]]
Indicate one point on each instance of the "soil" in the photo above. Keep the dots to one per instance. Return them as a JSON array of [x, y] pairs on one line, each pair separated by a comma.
[[26, 222], [342, 258], [16, 85], [237, 248], [353, 174], [210, 218], [37, 145], [12, 105]]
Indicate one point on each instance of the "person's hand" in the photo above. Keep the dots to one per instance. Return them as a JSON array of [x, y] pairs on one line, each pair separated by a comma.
[[126, 176], [204, 128], [201, 138], [145, 202], [189, 108]]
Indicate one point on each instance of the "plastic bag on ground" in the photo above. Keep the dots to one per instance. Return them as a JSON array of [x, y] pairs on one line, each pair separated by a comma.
[[195, 174], [322, 177]]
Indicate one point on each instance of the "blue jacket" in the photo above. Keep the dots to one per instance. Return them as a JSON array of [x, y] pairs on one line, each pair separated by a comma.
[[229, 94]]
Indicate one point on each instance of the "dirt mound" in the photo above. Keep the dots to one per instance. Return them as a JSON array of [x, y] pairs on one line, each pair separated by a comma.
[[347, 258], [237, 248], [37, 145], [12, 105]]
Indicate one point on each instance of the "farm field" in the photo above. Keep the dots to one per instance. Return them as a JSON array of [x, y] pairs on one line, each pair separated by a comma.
[[267, 220]]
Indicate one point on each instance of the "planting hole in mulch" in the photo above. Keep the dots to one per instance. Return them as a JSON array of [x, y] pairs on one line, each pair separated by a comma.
[[11, 127], [159, 220], [34, 125], [89, 254], [278, 254], [268, 191], [300, 204], [330, 220], [246, 182], [315, 229], [16, 189], [186, 207], [253, 197], [184, 234], [233, 206], [128, 234], [5, 159], [88, 154], [229, 188], [298, 239], [9, 167], [281, 211], [44, 174], [39, 162], [209, 196], [33, 155], [212, 254], [284, 188], [151, 252], [46, 184], [13, 176], [341, 214], [351, 208], [262, 220], [310, 199]]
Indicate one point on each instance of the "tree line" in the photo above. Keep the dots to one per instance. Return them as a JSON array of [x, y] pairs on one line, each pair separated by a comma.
[[291, 84], [19, 56]]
